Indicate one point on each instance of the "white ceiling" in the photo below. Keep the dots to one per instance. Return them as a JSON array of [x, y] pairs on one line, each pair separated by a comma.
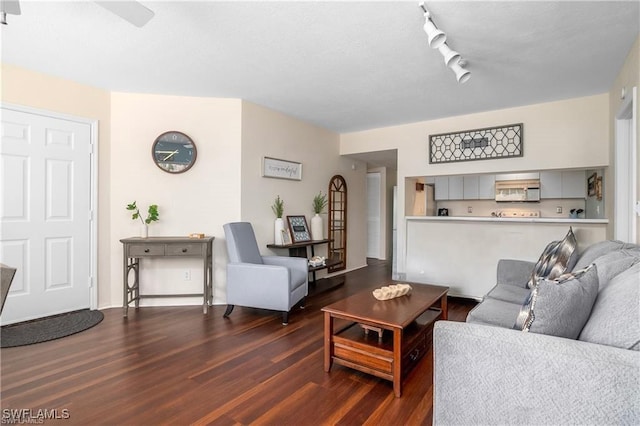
[[344, 66]]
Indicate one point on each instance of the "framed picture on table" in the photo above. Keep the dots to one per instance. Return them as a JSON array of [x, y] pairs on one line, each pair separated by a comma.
[[299, 229]]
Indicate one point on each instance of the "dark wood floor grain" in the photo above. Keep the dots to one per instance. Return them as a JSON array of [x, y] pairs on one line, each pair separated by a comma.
[[174, 365]]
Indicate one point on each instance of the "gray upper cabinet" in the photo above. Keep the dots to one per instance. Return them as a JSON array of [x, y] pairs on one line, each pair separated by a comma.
[[486, 187], [551, 184], [566, 184], [456, 188], [574, 184], [470, 187], [442, 188]]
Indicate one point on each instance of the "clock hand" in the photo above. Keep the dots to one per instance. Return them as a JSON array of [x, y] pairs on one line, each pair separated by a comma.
[[170, 155]]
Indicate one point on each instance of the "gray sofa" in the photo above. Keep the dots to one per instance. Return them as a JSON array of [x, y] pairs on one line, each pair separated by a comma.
[[486, 372]]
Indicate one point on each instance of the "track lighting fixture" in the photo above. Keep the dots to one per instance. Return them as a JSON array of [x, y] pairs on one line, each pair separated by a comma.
[[437, 40]]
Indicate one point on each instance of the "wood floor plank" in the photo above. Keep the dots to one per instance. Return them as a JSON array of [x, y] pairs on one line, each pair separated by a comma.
[[174, 365]]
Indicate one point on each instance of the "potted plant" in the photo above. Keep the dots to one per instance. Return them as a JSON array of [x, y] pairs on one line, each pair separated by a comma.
[[278, 210], [319, 204], [152, 216]]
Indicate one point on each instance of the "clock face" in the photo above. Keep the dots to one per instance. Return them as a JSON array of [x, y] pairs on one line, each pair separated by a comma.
[[174, 152]]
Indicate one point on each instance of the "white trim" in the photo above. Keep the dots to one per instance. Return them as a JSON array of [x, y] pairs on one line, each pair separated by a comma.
[[626, 173], [93, 232]]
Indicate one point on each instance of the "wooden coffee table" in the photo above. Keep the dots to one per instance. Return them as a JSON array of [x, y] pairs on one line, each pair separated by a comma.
[[405, 324]]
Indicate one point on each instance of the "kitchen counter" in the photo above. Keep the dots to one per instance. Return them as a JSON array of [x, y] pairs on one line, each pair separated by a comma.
[[565, 220], [462, 252]]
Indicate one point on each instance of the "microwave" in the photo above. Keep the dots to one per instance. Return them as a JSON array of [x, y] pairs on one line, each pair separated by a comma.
[[518, 190]]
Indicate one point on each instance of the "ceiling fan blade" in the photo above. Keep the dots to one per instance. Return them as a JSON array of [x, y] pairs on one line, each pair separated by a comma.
[[11, 7], [131, 11]]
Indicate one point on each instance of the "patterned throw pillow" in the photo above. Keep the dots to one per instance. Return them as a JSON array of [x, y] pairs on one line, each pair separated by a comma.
[[556, 259], [560, 307]]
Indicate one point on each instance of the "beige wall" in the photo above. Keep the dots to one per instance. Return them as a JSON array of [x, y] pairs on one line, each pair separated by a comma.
[[628, 78], [269, 133], [566, 134], [36, 90], [200, 200]]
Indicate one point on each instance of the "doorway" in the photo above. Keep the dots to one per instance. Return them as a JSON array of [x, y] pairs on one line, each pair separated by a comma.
[[47, 204], [626, 170]]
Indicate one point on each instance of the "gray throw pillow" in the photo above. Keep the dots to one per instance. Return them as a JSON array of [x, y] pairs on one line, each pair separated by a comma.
[[562, 307], [556, 259]]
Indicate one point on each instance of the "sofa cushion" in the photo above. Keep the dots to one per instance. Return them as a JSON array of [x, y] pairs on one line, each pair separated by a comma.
[[560, 308], [614, 317], [614, 263], [494, 312], [509, 293], [596, 250], [557, 258]]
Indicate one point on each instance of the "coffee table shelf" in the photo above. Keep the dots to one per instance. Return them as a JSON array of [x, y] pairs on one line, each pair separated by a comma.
[[355, 348]]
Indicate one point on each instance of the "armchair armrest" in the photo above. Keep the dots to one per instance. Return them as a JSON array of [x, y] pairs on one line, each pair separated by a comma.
[[514, 272], [299, 263], [256, 285], [491, 375]]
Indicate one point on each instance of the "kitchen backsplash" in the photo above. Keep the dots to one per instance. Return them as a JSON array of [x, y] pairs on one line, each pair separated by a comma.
[[484, 208]]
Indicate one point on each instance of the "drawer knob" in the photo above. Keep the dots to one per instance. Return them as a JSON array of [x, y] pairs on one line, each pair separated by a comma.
[[146, 250], [184, 250]]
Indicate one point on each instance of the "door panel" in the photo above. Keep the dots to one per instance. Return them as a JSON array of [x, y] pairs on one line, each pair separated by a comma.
[[45, 213]]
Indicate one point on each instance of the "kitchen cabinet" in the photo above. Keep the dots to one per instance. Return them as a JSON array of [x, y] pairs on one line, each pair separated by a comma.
[[550, 184], [574, 184], [566, 184], [470, 187], [456, 188], [442, 188], [486, 187]]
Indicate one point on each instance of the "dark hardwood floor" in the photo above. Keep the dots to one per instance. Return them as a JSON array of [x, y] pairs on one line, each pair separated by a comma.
[[174, 365]]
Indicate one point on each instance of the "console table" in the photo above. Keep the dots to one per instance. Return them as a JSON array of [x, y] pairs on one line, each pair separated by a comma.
[[136, 248]]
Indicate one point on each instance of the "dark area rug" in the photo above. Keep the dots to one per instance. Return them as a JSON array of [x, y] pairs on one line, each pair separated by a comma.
[[48, 328]]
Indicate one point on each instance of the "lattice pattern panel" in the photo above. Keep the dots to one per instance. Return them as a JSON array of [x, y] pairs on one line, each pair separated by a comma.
[[479, 144]]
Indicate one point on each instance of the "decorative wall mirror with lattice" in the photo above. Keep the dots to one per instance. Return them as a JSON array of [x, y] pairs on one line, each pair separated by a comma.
[[338, 223]]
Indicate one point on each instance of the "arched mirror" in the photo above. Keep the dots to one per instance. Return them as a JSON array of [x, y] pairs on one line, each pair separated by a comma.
[[338, 223]]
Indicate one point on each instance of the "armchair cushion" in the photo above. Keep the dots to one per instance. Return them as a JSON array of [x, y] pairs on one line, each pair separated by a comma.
[[242, 246], [298, 268]]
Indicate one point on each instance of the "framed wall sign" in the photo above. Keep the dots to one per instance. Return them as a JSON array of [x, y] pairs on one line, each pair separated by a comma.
[[299, 229], [478, 144], [281, 169]]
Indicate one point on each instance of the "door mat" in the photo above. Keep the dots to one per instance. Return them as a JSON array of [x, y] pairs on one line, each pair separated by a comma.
[[48, 328]]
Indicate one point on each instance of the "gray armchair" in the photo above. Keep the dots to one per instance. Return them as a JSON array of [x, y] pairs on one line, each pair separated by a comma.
[[265, 282]]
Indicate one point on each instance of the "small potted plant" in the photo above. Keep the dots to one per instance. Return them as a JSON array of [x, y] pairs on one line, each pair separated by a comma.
[[278, 210], [152, 216], [319, 204]]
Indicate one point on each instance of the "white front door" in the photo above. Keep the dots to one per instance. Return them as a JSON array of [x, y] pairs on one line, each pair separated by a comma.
[[45, 203]]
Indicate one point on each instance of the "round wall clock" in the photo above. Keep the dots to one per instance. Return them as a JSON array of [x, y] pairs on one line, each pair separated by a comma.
[[174, 152]]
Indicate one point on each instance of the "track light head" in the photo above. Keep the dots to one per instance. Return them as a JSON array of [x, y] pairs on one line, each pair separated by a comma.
[[435, 37], [462, 75], [450, 56]]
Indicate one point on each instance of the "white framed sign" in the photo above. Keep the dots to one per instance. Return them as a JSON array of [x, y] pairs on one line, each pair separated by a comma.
[[281, 169]]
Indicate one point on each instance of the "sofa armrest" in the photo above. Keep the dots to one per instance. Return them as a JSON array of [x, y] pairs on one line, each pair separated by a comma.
[[514, 272], [491, 375]]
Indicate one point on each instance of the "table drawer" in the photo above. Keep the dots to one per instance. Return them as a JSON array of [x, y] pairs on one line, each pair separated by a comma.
[[141, 250], [184, 249]]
